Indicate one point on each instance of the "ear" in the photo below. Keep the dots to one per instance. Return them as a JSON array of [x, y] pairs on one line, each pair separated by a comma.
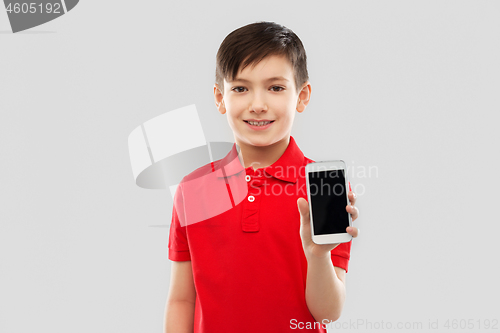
[[219, 99], [304, 96]]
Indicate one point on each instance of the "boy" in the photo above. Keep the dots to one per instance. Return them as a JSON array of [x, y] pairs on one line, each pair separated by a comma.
[[240, 238]]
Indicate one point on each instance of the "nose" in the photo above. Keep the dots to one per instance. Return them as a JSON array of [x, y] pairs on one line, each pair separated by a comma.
[[258, 103]]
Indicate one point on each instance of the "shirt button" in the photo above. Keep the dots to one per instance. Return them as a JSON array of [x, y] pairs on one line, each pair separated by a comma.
[[247, 178], [251, 198]]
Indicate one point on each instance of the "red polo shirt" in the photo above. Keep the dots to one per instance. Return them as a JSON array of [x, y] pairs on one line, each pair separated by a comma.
[[240, 229]]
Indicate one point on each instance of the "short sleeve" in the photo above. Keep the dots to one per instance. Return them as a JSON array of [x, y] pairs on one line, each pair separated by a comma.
[[178, 246], [341, 255]]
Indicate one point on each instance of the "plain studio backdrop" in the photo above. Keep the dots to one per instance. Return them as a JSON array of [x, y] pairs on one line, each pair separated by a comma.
[[406, 92]]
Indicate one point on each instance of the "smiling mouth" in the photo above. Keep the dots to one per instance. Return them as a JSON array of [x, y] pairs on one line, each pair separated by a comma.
[[258, 123]]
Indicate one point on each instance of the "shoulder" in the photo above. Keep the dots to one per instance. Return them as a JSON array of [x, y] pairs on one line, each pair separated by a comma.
[[202, 171], [194, 183]]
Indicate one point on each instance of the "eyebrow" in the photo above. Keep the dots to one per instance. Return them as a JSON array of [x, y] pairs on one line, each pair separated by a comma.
[[275, 78]]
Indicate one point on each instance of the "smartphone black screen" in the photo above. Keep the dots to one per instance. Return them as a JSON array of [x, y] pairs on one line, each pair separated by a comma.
[[328, 202]]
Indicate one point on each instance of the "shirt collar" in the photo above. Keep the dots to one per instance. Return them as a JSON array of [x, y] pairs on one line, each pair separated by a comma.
[[286, 168]]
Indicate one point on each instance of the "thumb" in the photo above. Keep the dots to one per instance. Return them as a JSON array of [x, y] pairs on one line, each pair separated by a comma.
[[303, 207]]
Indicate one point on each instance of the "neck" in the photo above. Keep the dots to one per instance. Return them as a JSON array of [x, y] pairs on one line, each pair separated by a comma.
[[261, 156]]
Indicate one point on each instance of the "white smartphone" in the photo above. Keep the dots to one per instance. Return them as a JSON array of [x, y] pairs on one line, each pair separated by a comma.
[[327, 190]]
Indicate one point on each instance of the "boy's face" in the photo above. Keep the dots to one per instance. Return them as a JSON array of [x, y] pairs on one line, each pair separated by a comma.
[[255, 95]]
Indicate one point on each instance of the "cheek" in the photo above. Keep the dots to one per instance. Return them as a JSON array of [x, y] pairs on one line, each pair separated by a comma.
[[288, 120], [234, 105], [232, 117], [284, 104]]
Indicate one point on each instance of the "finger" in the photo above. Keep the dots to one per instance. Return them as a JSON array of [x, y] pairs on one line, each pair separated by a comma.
[[303, 207], [352, 197], [353, 210], [353, 231]]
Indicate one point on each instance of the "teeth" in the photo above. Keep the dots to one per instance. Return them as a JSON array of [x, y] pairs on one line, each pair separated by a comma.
[[259, 123]]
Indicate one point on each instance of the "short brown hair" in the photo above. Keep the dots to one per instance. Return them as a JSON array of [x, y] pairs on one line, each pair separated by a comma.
[[252, 43]]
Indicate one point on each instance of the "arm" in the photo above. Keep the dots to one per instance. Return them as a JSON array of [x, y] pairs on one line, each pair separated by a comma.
[[325, 284], [325, 289], [179, 310]]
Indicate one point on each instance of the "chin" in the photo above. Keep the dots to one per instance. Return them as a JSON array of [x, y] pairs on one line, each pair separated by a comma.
[[255, 141], [263, 142]]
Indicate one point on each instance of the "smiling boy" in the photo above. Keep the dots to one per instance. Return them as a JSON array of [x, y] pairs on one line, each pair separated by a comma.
[[253, 267]]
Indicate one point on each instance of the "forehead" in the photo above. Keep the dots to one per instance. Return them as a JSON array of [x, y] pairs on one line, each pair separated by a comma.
[[270, 66]]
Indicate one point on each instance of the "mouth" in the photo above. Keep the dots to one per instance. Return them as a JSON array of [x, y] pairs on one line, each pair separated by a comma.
[[258, 123]]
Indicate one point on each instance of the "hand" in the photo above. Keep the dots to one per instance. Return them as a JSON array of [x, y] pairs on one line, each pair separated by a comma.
[[312, 249]]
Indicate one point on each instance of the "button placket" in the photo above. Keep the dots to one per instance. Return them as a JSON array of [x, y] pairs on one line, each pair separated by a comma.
[[250, 217]]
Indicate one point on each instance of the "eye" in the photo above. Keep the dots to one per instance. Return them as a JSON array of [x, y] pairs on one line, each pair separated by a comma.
[[236, 89], [281, 88]]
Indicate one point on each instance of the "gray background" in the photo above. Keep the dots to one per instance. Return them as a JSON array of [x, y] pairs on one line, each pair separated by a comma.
[[408, 88]]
